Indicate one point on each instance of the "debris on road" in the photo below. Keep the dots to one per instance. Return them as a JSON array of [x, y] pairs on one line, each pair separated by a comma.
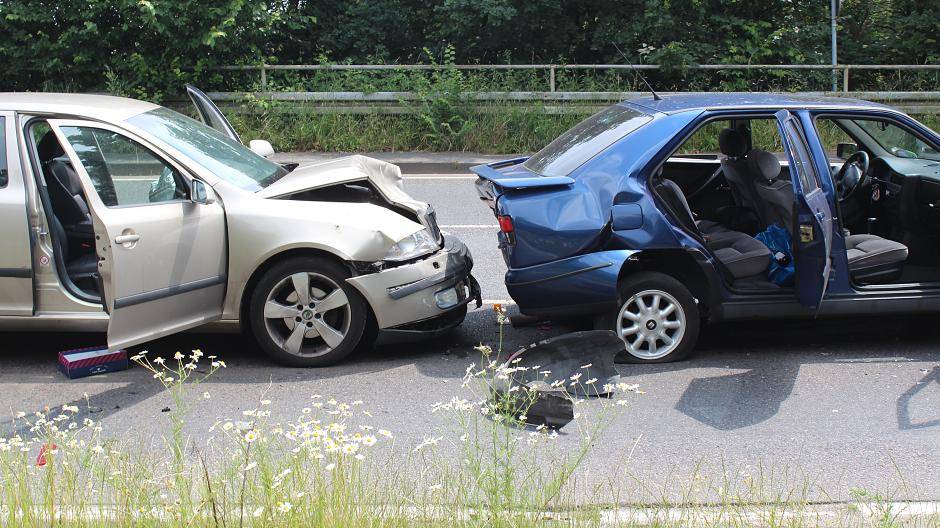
[[545, 373]]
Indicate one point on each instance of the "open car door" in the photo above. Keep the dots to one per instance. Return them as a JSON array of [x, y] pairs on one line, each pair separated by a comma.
[[159, 234], [812, 232], [210, 114]]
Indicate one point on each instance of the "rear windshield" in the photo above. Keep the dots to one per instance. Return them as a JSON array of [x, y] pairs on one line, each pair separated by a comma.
[[589, 137]]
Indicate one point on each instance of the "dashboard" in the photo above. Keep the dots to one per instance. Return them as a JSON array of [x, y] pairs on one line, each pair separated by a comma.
[[907, 192]]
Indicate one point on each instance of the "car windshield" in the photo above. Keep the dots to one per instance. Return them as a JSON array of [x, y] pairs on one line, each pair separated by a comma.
[[897, 140], [585, 140], [224, 157]]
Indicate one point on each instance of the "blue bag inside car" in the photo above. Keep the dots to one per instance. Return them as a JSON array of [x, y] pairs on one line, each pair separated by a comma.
[[781, 269]]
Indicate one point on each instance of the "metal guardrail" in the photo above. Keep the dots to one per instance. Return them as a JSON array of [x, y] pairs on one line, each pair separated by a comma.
[[551, 102], [845, 69]]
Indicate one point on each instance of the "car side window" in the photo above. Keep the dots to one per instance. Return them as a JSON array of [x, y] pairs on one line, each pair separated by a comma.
[[703, 141], [801, 157], [123, 171], [4, 174], [765, 135]]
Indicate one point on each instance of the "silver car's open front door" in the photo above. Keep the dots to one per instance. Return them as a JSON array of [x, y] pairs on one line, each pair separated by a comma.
[[161, 255]]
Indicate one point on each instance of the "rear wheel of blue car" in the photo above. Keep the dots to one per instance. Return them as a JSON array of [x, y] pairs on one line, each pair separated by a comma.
[[658, 320]]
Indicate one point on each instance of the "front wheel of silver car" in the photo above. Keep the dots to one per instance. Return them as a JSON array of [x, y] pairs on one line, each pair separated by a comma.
[[303, 313], [658, 319]]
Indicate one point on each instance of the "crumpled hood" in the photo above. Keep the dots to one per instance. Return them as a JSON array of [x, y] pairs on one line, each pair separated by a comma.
[[384, 176]]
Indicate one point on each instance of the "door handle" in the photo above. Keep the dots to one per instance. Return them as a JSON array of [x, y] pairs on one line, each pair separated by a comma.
[[126, 239]]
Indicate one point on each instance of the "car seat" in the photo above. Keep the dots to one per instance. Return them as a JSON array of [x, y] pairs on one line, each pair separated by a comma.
[[870, 257], [741, 255], [65, 190]]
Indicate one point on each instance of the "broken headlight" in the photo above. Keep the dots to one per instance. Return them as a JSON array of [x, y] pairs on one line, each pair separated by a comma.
[[412, 246]]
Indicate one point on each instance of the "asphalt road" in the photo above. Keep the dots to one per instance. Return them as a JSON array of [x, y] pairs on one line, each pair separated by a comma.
[[825, 406]]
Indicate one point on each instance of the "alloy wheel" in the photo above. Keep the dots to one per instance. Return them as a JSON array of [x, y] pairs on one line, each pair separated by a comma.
[[651, 324], [307, 314]]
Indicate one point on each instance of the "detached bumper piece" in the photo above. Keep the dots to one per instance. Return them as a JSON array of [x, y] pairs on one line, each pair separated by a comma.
[[546, 373]]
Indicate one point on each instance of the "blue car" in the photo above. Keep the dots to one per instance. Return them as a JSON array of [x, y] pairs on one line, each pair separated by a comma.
[[656, 215]]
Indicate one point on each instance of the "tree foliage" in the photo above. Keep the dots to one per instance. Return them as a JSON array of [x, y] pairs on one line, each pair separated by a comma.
[[150, 47]]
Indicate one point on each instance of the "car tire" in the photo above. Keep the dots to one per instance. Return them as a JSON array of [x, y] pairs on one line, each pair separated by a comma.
[[317, 333], [658, 319]]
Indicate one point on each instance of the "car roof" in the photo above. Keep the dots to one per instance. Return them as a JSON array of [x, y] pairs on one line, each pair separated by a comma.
[[683, 102], [103, 107]]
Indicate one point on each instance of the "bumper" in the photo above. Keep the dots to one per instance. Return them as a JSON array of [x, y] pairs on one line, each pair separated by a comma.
[[422, 292], [584, 284]]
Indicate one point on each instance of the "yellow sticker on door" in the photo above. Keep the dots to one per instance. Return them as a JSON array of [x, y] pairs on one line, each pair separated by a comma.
[[806, 233]]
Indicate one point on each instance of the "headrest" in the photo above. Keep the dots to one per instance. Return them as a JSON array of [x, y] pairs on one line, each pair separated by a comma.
[[732, 143], [764, 164], [49, 147]]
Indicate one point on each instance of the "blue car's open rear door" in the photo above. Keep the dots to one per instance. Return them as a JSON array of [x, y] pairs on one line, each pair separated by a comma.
[[812, 229]]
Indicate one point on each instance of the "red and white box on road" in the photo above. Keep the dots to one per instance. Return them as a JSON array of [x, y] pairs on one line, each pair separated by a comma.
[[82, 362]]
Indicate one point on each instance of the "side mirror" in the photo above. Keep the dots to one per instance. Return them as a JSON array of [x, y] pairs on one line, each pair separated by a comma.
[[261, 147], [845, 150], [201, 194]]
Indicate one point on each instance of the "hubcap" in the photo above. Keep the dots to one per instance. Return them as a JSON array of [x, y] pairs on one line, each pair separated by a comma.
[[307, 314], [651, 324]]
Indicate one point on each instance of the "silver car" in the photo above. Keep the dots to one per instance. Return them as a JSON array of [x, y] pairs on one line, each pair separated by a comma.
[[126, 216]]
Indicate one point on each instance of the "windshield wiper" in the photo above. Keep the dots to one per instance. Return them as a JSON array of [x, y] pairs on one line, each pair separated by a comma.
[[272, 178]]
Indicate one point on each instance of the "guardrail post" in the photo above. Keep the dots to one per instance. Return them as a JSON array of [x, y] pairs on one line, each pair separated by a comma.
[[264, 77], [551, 78], [845, 79]]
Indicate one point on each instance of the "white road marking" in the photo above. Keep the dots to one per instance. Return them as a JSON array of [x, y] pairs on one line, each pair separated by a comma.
[[441, 177], [469, 226], [504, 302]]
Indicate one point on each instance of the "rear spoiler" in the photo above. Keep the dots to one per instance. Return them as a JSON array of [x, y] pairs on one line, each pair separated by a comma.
[[491, 173]]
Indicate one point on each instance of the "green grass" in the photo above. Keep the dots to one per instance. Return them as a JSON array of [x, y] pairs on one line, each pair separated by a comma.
[[504, 131], [500, 131]]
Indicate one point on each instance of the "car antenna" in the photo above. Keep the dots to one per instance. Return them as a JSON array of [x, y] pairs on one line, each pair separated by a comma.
[[656, 96]]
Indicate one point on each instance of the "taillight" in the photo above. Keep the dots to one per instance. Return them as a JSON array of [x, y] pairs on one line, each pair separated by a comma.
[[506, 227], [505, 224]]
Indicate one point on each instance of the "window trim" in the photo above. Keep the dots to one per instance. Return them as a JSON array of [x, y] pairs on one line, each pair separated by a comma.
[[804, 143]]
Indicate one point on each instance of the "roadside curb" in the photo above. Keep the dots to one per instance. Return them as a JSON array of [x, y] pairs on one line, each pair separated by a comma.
[[836, 514]]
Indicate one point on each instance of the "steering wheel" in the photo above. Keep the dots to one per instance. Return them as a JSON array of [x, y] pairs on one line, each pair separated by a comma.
[[852, 175]]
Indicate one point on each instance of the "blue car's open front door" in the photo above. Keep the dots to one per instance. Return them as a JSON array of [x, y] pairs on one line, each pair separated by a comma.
[[812, 229]]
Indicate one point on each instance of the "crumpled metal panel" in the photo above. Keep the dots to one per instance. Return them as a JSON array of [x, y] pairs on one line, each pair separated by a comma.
[[569, 361], [579, 364]]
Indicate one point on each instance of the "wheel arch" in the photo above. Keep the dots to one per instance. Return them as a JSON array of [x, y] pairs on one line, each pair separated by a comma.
[[245, 301], [690, 267]]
